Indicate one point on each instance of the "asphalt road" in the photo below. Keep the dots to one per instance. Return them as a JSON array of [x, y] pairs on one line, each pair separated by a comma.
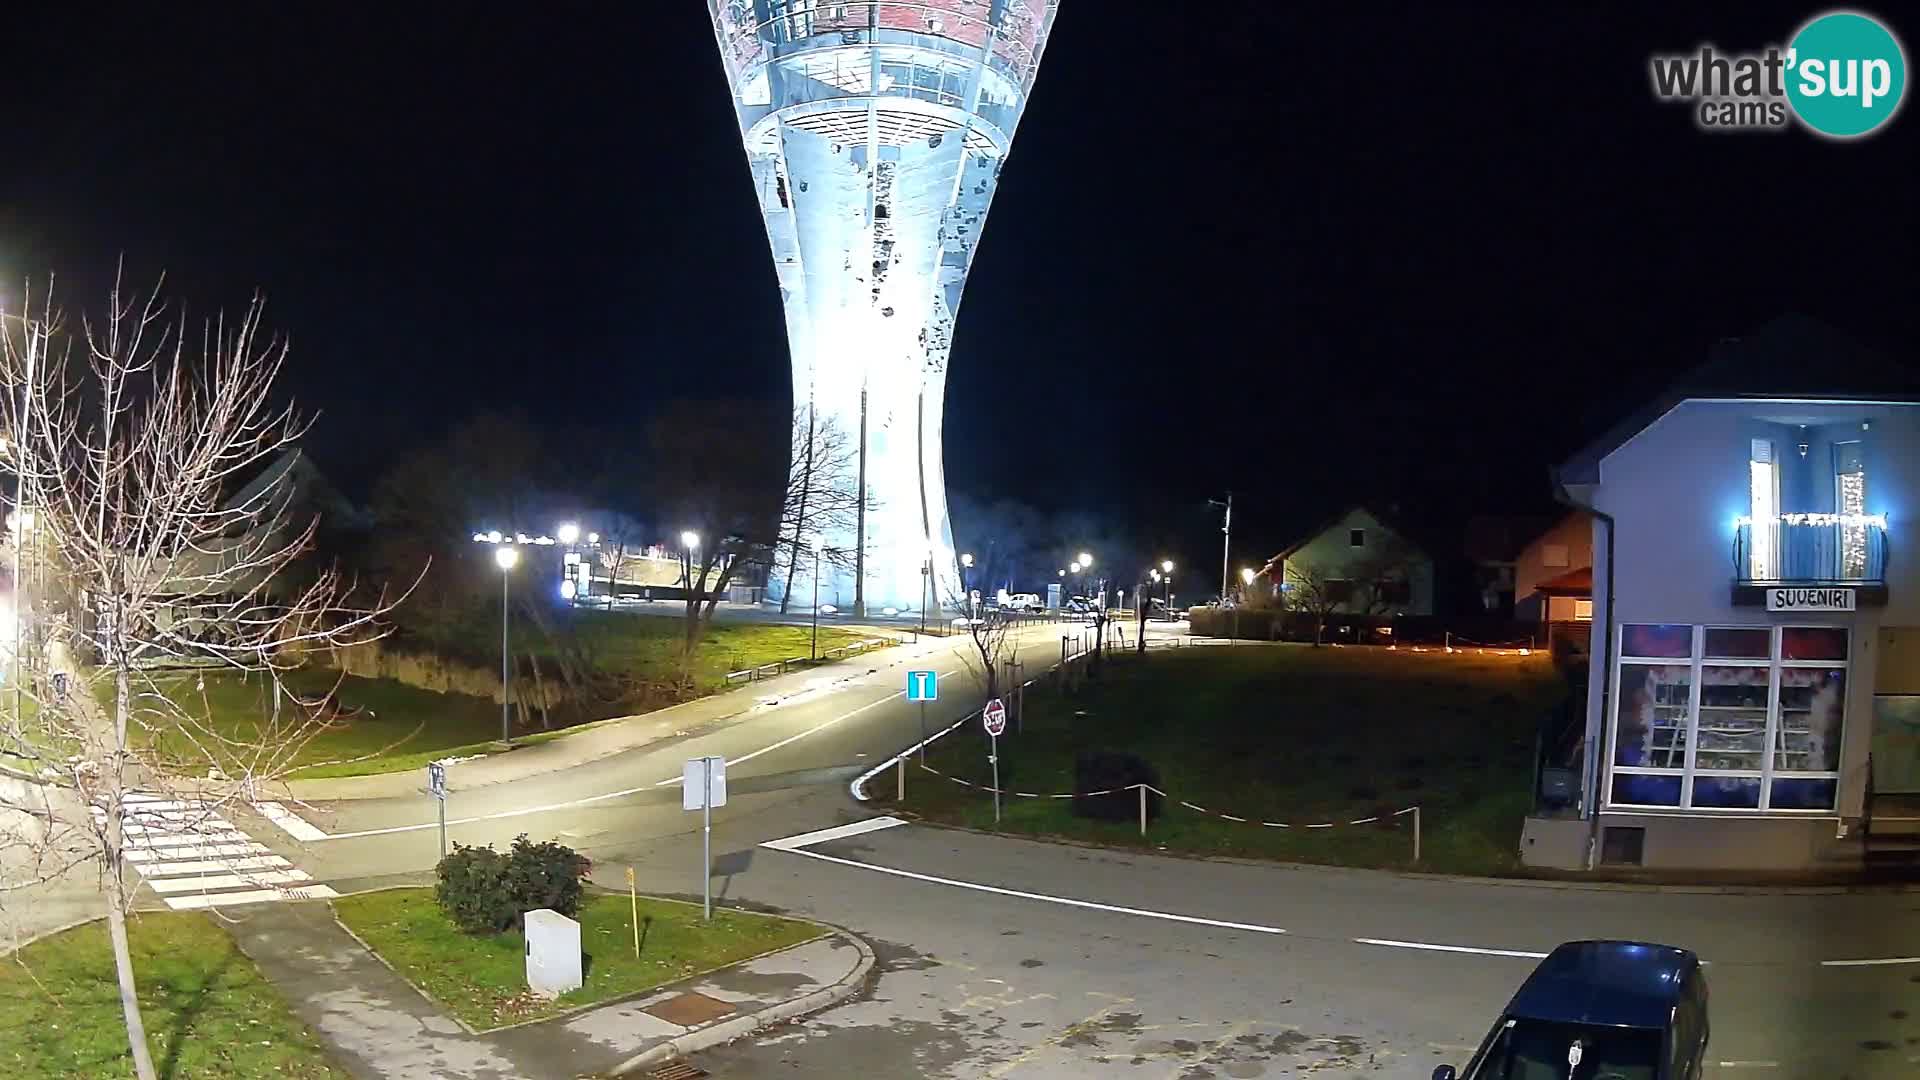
[[1007, 958]]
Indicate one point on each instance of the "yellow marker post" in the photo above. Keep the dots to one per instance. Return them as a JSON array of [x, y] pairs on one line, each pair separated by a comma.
[[633, 899]]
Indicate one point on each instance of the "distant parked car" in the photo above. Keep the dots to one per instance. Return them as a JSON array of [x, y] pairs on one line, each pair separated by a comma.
[[1025, 601], [1600, 1010]]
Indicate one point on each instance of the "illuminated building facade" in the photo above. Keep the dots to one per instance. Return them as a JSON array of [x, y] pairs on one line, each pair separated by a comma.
[[875, 132]]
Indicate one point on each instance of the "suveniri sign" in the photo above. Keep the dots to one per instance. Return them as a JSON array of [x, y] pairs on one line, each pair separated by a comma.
[[1809, 599]]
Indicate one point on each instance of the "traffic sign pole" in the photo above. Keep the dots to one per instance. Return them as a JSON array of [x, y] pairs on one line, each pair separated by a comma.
[[706, 839], [993, 758], [993, 717]]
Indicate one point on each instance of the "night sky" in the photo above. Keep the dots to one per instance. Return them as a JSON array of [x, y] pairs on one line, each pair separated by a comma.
[[1309, 254]]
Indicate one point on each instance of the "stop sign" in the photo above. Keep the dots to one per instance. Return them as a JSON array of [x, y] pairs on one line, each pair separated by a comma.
[[994, 717]]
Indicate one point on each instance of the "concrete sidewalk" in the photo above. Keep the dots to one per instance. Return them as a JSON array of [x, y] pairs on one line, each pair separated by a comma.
[[378, 1025], [606, 738]]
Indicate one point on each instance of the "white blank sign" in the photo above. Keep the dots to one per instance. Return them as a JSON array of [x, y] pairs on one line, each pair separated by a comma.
[[703, 787]]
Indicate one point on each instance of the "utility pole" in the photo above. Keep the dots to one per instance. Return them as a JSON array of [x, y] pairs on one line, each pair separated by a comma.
[[860, 515], [1226, 546]]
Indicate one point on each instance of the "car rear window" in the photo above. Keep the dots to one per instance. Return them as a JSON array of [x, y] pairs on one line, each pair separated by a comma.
[[1538, 1050]]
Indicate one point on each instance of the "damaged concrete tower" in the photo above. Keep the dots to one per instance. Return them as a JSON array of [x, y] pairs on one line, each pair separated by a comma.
[[876, 132]]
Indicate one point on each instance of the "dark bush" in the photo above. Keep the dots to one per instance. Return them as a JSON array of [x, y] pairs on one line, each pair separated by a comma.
[[485, 892], [473, 890], [1112, 771], [547, 875]]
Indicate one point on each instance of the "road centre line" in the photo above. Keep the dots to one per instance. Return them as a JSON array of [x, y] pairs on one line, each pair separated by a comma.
[[1871, 963], [742, 759], [1065, 901], [1429, 947], [591, 799], [838, 832]]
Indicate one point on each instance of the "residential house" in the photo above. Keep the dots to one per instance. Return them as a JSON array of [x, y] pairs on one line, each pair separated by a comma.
[[1756, 662], [1553, 574], [1369, 566], [1493, 545]]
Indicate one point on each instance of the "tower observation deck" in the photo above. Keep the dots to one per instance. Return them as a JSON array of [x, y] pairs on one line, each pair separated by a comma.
[[875, 131]]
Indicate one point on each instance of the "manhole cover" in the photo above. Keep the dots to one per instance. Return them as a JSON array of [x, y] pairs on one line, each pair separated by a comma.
[[676, 1070], [690, 1009]]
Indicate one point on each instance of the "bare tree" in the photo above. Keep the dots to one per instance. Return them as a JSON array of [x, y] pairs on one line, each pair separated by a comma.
[[618, 533], [129, 438], [987, 636], [822, 497], [727, 493], [1310, 589], [1383, 578]]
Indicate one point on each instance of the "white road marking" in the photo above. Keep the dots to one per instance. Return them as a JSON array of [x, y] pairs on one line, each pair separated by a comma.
[[1749, 1064], [591, 799], [217, 882], [210, 866], [160, 840], [255, 896], [838, 832], [194, 859], [291, 823], [1428, 947], [1871, 963], [1065, 901], [207, 851]]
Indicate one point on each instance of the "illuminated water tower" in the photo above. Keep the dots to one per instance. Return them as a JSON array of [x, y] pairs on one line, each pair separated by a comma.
[[875, 132]]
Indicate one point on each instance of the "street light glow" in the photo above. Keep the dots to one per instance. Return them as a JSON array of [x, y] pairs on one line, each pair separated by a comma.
[[689, 539], [568, 533], [1086, 560], [506, 556], [1167, 566], [494, 537], [819, 544], [593, 538], [1075, 567], [1247, 574], [966, 559]]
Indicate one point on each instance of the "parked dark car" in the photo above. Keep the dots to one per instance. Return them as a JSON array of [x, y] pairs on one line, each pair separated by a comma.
[[1600, 1010]]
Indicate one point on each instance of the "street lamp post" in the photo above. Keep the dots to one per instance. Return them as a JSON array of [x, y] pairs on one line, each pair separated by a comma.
[[569, 534], [818, 544], [505, 556], [966, 583], [1166, 569], [689, 543]]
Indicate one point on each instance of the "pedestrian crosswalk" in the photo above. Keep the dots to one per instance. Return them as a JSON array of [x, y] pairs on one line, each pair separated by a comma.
[[194, 858]]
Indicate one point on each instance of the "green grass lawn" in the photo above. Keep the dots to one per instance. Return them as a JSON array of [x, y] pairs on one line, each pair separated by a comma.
[[1278, 733], [482, 979], [405, 727], [209, 1013]]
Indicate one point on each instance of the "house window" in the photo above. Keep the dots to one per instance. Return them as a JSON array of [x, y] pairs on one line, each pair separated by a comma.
[[1763, 486], [1583, 611], [1728, 718], [1553, 555], [1339, 590], [1850, 497], [1356, 538]]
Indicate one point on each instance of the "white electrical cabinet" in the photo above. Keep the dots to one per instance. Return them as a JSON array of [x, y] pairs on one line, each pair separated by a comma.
[[553, 953]]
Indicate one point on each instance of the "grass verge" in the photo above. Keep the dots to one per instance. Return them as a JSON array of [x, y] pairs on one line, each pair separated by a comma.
[[1277, 733], [210, 1014], [482, 979], [403, 727]]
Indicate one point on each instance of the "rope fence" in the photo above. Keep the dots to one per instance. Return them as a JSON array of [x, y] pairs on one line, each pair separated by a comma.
[[1143, 788]]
